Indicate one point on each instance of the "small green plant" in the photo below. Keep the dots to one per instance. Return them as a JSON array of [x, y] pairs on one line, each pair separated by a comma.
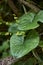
[[21, 32], [20, 42]]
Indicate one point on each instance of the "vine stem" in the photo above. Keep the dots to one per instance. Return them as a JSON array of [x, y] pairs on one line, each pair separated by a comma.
[[36, 56], [24, 9]]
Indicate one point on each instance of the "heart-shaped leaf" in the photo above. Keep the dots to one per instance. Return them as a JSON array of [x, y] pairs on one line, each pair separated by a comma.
[[26, 22], [20, 48]]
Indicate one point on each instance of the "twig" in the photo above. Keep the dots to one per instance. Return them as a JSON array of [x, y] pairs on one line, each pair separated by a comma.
[[36, 4], [29, 4], [13, 7], [1, 1], [41, 34]]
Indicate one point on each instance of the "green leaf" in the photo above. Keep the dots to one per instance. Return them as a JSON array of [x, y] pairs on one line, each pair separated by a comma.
[[39, 16], [26, 22], [5, 45], [5, 54], [41, 44], [19, 48]]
